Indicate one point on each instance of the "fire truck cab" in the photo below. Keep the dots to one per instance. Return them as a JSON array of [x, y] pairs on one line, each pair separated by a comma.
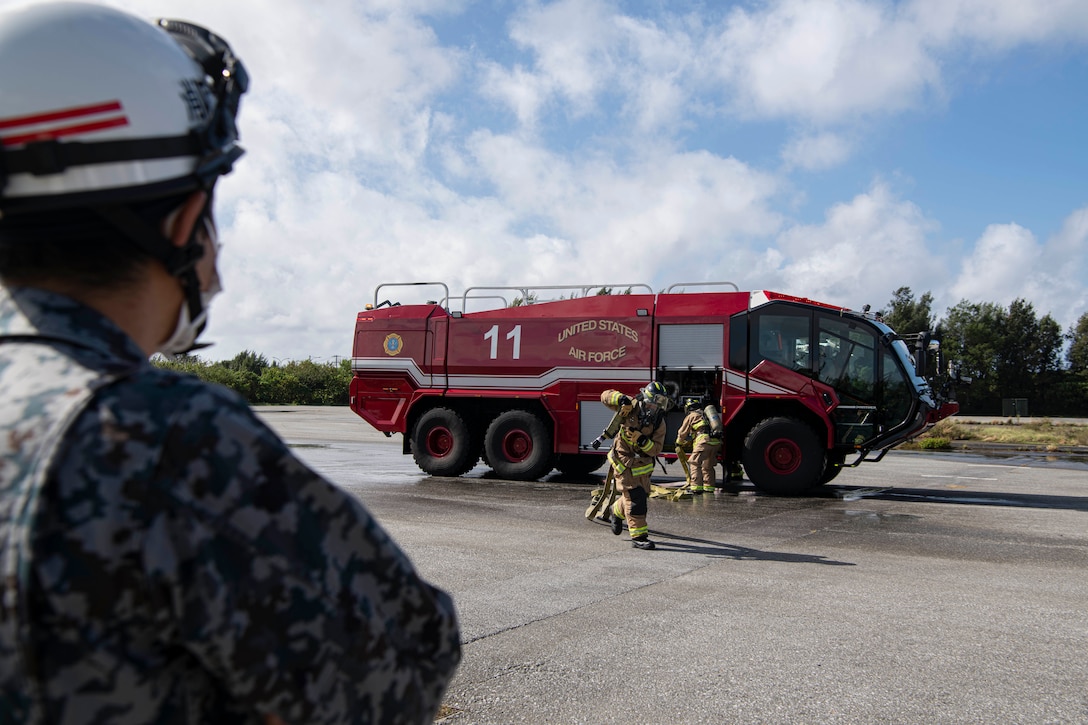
[[805, 388]]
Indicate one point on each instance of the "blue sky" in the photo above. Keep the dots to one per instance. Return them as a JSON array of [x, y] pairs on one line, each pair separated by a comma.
[[834, 149]]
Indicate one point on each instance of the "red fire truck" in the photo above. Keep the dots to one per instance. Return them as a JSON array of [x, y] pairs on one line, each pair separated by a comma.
[[806, 388]]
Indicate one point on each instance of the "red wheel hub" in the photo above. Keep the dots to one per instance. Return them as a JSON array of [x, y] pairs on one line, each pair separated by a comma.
[[439, 441], [783, 456], [517, 445]]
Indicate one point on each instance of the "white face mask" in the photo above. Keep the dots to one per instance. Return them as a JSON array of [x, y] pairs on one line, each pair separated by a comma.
[[188, 328]]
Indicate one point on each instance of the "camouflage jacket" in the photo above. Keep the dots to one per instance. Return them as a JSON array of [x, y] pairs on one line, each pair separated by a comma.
[[166, 559]]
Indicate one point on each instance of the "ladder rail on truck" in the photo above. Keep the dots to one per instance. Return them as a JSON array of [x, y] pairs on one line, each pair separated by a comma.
[[806, 388]]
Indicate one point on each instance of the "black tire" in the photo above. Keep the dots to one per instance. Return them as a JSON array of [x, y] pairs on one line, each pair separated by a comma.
[[518, 446], [442, 443], [832, 469], [579, 464], [783, 457]]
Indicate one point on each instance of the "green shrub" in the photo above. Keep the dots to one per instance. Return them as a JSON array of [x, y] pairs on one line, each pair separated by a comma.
[[304, 382], [278, 386]]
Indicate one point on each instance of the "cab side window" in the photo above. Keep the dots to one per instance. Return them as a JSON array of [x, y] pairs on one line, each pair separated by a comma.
[[847, 357], [782, 335]]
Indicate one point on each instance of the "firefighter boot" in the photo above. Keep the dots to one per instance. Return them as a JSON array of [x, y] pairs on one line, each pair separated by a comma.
[[617, 519], [642, 542]]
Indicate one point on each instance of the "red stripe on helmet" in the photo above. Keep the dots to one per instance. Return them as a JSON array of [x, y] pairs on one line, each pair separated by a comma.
[[62, 131], [60, 115]]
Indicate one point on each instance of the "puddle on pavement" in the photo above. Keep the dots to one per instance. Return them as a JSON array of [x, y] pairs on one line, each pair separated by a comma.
[[855, 494], [879, 516]]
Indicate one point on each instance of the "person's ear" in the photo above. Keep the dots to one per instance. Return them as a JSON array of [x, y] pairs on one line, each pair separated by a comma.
[[178, 227]]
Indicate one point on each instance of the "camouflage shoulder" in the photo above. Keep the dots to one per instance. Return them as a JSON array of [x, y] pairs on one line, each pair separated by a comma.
[[174, 397], [178, 385]]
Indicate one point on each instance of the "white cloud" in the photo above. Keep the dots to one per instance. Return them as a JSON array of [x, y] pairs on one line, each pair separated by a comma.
[[998, 24], [639, 216], [1000, 265], [828, 60], [571, 41], [822, 59], [585, 53], [863, 251], [1008, 263], [368, 160], [522, 92], [816, 152]]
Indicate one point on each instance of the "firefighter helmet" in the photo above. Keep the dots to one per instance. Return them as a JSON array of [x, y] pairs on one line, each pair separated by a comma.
[[107, 108], [655, 393], [693, 404]]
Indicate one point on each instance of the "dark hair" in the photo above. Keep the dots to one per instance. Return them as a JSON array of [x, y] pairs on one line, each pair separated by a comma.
[[76, 245]]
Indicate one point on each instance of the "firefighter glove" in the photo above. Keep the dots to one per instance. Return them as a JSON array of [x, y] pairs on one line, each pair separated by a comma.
[[642, 441], [624, 401]]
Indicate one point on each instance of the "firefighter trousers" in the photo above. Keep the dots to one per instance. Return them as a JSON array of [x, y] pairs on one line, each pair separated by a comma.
[[631, 505], [703, 462]]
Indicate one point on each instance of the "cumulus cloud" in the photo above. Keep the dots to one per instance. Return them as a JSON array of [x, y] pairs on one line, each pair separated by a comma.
[[997, 25], [375, 153], [1000, 265], [823, 59], [1008, 263], [815, 152], [862, 251]]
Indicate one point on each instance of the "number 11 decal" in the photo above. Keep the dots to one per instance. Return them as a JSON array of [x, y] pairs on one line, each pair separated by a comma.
[[493, 336]]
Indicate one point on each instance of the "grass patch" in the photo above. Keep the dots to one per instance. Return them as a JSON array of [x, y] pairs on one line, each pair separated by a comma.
[[1041, 433]]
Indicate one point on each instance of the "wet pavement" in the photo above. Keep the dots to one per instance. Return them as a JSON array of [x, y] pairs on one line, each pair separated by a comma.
[[928, 587]]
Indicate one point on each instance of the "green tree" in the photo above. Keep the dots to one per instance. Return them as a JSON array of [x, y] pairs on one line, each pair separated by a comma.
[[189, 364], [1029, 348], [322, 384], [530, 298], [972, 343], [278, 386], [1077, 356], [249, 361], [243, 382], [906, 316]]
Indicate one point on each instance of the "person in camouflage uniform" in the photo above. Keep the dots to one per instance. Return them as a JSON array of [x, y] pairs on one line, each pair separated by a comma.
[[166, 558], [640, 440]]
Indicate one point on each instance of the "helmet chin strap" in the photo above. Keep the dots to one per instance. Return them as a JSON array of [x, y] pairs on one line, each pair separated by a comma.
[[180, 262]]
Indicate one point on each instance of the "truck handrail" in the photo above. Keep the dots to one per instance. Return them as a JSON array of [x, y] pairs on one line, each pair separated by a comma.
[[702, 284], [409, 284], [505, 302], [526, 290]]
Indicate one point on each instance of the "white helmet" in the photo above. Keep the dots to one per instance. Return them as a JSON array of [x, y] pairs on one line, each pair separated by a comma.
[[100, 107]]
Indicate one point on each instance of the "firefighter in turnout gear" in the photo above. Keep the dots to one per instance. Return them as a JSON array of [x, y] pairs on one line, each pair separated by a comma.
[[705, 444], [640, 440]]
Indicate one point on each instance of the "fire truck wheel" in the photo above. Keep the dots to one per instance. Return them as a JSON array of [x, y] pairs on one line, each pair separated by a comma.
[[783, 457], [518, 446], [832, 469], [441, 444], [578, 464]]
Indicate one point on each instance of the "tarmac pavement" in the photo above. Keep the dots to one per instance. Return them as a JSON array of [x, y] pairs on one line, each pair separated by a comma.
[[928, 587]]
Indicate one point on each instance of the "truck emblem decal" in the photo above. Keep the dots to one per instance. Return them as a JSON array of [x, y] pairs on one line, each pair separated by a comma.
[[393, 344]]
